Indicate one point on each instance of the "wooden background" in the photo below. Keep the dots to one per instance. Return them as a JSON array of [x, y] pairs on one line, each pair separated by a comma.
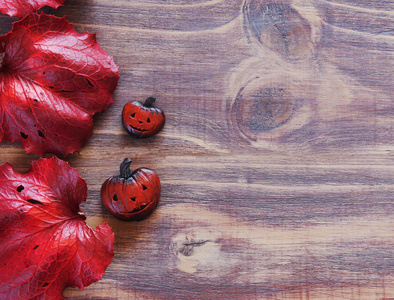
[[277, 158]]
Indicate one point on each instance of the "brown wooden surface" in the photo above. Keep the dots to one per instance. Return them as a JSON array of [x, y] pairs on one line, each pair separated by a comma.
[[276, 160]]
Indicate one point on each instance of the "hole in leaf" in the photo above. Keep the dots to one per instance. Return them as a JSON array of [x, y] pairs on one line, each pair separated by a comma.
[[23, 135], [45, 284], [20, 188], [51, 87], [40, 134], [88, 81], [132, 115], [132, 199], [35, 100], [115, 198], [148, 120], [144, 187], [33, 201], [35, 247]]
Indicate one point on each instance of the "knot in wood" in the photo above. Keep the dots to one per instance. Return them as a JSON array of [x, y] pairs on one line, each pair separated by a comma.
[[258, 110], [279, 28]]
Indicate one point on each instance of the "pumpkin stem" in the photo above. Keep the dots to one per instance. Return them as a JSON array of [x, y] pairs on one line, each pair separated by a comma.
[[149, 102], [125, 171]]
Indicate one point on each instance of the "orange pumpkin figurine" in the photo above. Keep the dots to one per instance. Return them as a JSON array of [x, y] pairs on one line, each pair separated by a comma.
[[142, 119], [133, 195]]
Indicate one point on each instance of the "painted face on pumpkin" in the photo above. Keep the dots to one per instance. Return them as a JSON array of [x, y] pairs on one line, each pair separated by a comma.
[[142, 120]]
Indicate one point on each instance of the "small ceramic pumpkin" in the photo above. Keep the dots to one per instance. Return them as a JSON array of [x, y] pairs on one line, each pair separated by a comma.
[[133, 195], [142, 120]]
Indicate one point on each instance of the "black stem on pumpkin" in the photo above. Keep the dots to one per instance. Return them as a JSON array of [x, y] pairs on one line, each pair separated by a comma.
[[125, 171], [149, 102]]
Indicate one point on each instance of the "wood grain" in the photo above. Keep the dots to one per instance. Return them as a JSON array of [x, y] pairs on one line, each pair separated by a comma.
[[276, 160]]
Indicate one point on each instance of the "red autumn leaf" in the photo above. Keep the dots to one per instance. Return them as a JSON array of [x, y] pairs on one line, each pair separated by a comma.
[[52, 81], [45, 244], [20, 8]]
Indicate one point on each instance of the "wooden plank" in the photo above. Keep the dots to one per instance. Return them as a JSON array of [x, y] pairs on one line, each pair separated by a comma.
[[276, 160]]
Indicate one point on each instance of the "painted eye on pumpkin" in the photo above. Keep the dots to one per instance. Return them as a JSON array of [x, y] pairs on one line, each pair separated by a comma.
[[133, 195], [142, 119]]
